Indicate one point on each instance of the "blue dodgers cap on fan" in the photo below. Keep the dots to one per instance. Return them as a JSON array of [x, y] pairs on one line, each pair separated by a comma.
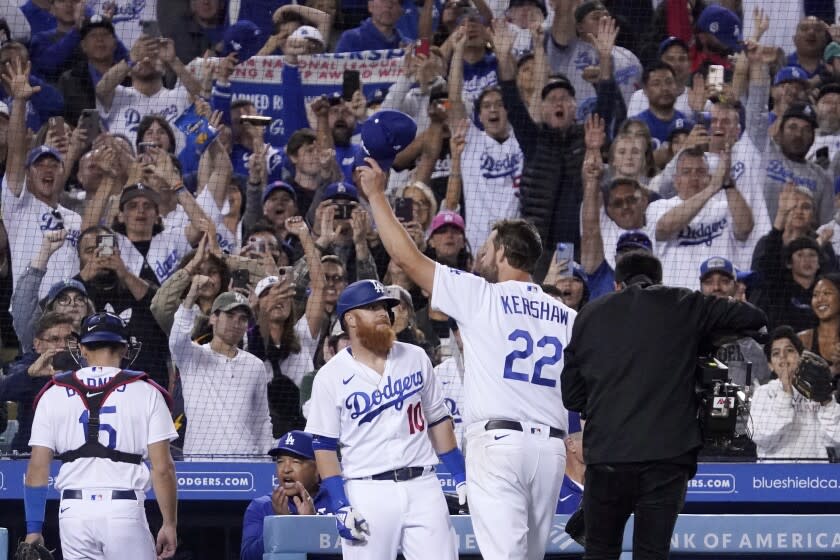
[[103, 327], [724, 24], [790, 74], [669, 42], [243, 38], [385, 134], [60, 287], [279, 185], [633, 241], [341, 190], [717, 264], [295, 443], [42, 151]]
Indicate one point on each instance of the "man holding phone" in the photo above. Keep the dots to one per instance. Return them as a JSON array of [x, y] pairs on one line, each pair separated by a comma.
[[123, 107], [113, 287], [26, 376]]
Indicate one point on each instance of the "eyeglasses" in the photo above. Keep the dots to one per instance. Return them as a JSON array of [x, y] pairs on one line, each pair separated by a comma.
[[68, 300], [58, 339]]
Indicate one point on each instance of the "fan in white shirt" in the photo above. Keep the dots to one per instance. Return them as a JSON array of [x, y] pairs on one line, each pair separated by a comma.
[[31, 189], [491, 160], [225, 397], [123, 107], [705, 219]]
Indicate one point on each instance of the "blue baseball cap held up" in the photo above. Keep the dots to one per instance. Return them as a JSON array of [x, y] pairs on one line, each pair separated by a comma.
[[243, 38], [385, 134]]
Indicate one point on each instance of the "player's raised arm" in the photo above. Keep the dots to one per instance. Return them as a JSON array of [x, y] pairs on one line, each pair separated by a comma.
[[400, 246]]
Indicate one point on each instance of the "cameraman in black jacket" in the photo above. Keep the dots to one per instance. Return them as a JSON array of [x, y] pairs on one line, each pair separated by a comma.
[[630, 371]]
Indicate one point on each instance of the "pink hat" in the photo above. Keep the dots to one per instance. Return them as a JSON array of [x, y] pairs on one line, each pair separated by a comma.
[[446, 218]]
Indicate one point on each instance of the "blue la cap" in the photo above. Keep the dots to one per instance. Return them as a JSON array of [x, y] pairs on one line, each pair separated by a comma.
[[717, 264], [385, 134], [279, 185], [633, 240], [42, 151], [60, 287], [724, 24], [790, 74], [243, 38], [670, 42], [341, 190], [296, 443]]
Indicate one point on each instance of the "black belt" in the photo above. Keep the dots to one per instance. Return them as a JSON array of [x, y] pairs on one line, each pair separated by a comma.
[[401, 475], [517, 427], [115, 495]]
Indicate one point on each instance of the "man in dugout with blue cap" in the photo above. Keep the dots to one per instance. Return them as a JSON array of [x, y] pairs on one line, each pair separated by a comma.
[[297, 491]]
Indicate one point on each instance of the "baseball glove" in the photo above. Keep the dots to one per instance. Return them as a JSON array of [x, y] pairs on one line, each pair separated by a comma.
[[32, 551], [813, 378]]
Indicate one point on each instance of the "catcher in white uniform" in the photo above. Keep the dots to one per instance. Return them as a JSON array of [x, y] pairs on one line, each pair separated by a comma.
[[102, 422], [378, 401], [513, 336]]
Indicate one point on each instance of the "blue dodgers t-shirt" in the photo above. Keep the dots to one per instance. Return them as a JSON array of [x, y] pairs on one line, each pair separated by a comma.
[[276, 162], [367, 37], [659, 129]]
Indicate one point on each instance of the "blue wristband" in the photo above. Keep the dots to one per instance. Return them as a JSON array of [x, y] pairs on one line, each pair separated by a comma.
[[334, 486], [34, 505], [453, 460]]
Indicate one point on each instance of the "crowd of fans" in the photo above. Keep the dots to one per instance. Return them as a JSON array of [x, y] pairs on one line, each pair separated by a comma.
[[607, 124]]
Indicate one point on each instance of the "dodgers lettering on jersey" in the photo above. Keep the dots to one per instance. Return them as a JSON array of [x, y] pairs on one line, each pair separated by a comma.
[[514, 335], [380, 421], [367, 406]]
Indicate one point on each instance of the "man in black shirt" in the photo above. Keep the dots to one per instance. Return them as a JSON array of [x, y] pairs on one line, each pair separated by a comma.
[[630, 371], [113, 288]]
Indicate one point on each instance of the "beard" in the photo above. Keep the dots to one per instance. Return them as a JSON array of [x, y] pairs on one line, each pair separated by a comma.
[[377, 338], [489, 273]]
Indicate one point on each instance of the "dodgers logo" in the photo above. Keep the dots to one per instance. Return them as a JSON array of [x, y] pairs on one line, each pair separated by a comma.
[[454, 411], [493, 168], [702, 234], [368, 406], [128, 11]]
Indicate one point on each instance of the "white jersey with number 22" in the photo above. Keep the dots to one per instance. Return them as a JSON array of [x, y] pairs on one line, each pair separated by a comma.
[[514, 337]]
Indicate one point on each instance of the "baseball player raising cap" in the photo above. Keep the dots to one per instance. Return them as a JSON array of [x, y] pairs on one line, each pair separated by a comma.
[[103, 478], [514, 335], [380, 401]]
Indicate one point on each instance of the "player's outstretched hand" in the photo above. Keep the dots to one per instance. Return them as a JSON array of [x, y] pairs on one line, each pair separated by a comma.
[[373, 179], [167, 542], [351, 525]]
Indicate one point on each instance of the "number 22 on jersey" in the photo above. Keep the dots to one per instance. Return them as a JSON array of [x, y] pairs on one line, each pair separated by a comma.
[[548, 348]]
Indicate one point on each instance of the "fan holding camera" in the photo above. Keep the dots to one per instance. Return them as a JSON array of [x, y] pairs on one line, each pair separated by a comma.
[[26, 376], [342, 226]]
